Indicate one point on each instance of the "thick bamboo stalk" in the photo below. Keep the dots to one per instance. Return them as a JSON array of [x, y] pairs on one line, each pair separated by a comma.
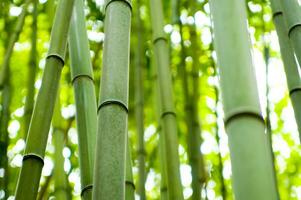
[[85, 99], [289, 61], [110, 163], [40, 122], [32, 68], [168, 115], [139, 101], [292, 16], [58, 135], [12, 40], [243, 121], [129, 183]]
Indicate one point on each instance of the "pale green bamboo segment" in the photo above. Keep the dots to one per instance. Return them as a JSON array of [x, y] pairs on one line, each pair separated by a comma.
[[243, 121], [110, 163], [168, 117], [289, 61], [29, 178], [162, 154], [85, 98], [292, 16], [11, 43], [58, 135], [32, 68], [129, 183], [139, 103]]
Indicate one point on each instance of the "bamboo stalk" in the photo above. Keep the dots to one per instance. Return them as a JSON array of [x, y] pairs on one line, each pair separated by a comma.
[[139, 101], [292, 16], [59, 175], [109, 168], [40, 122], [129, 183], [168, 115], [32, 68], [12, 40], [85, 99], [289, 61], [243, 121]]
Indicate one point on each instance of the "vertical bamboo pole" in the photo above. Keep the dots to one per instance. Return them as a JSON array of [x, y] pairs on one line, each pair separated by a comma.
[[139, 115], [110, 163], [292, 15], [251, 167], [168, 115], [289, 61], [59, 175], [85, 99], [29, 103], [129, 183], [29, 178]]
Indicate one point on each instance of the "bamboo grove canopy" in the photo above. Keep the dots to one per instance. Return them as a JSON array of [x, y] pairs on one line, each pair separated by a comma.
[[150, 99]]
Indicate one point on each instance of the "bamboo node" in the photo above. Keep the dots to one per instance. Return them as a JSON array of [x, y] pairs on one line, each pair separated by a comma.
[[34, 156], [242, 111], [86, 188], [58, 56], [127, 2], [113, 102], [130, 183], [159, 38], [82, 75], [275, 14], [295, 89], [292, 27], [168, 113]]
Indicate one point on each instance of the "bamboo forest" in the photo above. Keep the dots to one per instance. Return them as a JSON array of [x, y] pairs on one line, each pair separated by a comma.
[[150, 99]]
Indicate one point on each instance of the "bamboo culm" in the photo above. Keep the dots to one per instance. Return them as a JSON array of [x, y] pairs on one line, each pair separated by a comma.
[[168, 116], [40, 122], [292, 16], [58, 138], [129, 182], [289, 61], [139, 101], [243, 121], [110, 163], [32, 68], [85, 98]]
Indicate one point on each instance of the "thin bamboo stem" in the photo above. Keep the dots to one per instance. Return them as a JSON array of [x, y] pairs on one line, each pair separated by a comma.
[[110, 163], [40, 122], [32, 68], [85, 98], [168, 115], [139, 101], [289, 61], [129, 183]]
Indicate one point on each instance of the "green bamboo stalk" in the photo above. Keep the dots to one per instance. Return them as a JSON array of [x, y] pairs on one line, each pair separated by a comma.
[[32, 68], [289, 61], [139, 101], [59, 175], [129, 183], [168, 115], [4, 139], [292, 16], [85, 99], [12, 40], [44, 187], [162, 154], [109, 168], [195, 139], [40, 123], [243, 121], [193, 131]]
